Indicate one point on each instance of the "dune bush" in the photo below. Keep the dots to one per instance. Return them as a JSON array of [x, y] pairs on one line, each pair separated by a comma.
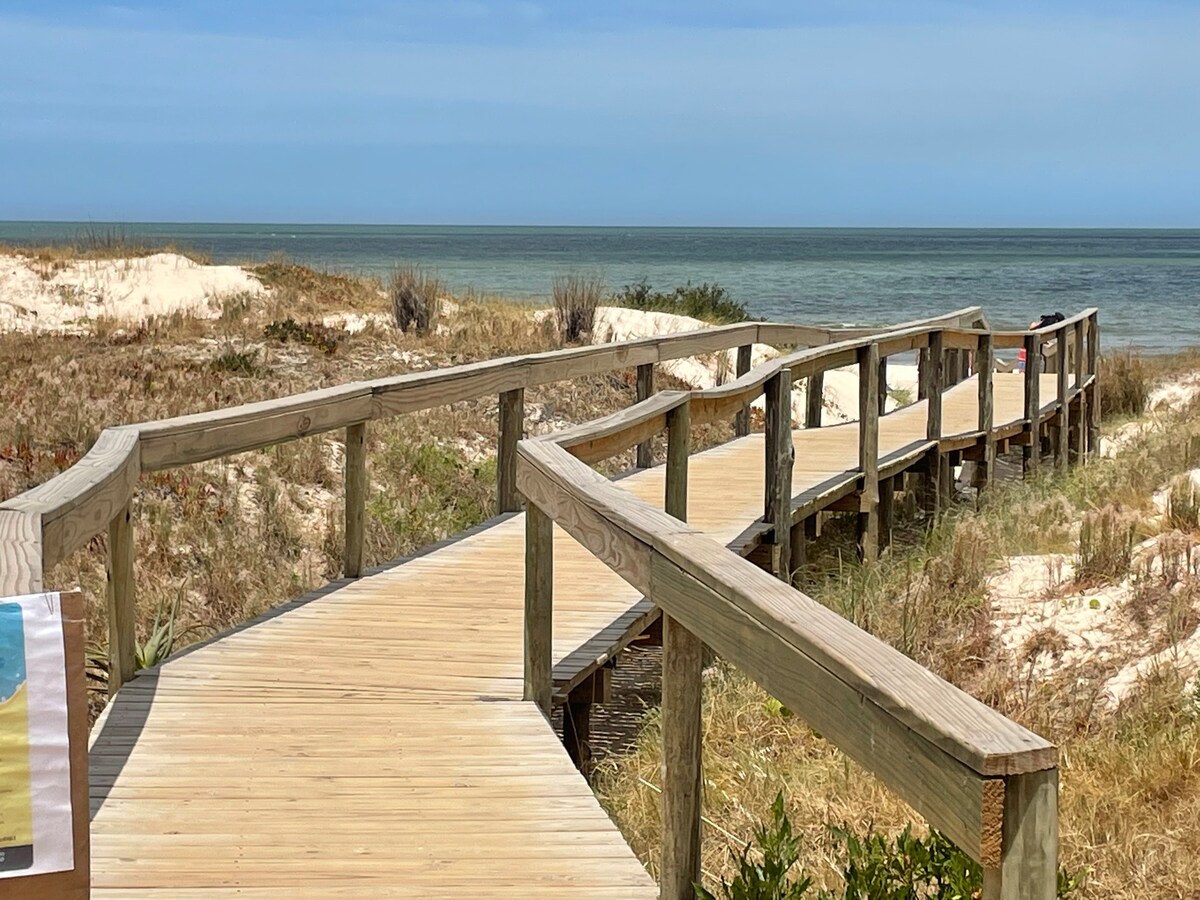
[[414, 294], [575, 300]]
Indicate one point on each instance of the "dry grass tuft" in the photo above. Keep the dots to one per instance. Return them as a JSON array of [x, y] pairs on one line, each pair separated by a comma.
[[414, 294], [575, 300], [1106, 538], [1125, 383]]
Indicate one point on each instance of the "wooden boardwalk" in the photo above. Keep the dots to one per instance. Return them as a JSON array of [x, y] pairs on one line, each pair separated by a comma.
[[372, 740]]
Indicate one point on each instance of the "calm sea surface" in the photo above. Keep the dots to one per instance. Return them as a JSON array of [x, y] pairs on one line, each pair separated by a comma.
[[1146, 282]]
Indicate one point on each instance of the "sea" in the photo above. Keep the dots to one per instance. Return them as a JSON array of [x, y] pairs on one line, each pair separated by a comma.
[[1146, 282]]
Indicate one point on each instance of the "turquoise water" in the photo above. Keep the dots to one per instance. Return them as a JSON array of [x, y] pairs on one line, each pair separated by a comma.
[[1146, 282], [12, 650]]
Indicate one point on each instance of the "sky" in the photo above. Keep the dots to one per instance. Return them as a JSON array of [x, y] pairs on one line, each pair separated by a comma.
[[634, 112]]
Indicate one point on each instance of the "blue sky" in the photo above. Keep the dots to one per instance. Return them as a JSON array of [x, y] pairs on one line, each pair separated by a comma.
[[652, 112]]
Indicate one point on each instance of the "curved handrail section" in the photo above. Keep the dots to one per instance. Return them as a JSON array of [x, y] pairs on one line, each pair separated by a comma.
[[43, 525]]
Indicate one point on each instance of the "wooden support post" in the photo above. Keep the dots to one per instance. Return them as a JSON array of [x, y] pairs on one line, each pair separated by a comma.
[[1062, 417], [1079, 410], [1093, 402], [539, 605], [780, 453], [1028, 867], [964, 363], [922, 373], [122, 647], [814, 404], [512, 427], [883, 385], [934, 385], [355, 500], [681, 698], [1033, 404], [868, 451], [741, 423], [984, 366], [645, 389], [887, 510], [678, 447]]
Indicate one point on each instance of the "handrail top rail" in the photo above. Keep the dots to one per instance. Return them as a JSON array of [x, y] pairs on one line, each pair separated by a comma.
[[973, 733]]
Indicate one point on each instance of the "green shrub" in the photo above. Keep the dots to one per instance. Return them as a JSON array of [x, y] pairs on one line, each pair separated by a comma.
[[238, 362], [873, 867], [314, 334], [766, 874], [709, 302]]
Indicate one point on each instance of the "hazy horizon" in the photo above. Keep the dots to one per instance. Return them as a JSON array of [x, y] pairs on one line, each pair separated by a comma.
[[858, 113]]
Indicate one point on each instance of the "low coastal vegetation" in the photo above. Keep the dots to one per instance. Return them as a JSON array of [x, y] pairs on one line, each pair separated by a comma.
[[707, 302], [1099, 654], [1112, 545]]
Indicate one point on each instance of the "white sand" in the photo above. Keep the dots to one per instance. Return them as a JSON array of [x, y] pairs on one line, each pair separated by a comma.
[[841, 385], [128, 290]]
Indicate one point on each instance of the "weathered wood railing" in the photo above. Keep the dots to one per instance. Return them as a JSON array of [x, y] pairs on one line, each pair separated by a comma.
[[986, 782], [44, 525]]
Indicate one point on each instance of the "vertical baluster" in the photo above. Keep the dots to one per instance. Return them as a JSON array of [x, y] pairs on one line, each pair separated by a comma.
[[815, 400], [984, 366], [779, 457], [1093, 368], [539, 601], [868, 451], [934, 385], [741, 423], [1032, 450], [512, 426], [354, 467], [122, 649], [645, 388]]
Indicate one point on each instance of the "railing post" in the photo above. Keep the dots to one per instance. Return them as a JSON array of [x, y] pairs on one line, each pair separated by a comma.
[[1093, 367], [882, 390], [922, 373], [1063, 434], [122, 649], [984, 366], [539, 601], [645, 388], [780, 453], [815, 400], [1031, 452], [1029, 850], [934, 384], [355, 484], [681, 696], [741, 423], [512, 425], [1079, 421], [868, 451]]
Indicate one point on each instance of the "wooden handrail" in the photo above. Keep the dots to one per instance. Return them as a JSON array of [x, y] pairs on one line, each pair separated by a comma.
[[973, 773]]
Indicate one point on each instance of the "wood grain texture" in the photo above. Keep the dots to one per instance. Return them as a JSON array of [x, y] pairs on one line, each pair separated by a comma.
[[1028, 868], [869, 363], [984, 365], [355, 499], [681, 696], [20, 552], [741, 424], [539, 606], [780, 456], [511, 430], [1031, 452], [644, 458], [814, 404], [122, 610], [1093, 400]]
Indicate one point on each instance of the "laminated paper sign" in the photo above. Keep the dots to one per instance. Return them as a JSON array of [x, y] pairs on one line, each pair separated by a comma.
[[35, 777]]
